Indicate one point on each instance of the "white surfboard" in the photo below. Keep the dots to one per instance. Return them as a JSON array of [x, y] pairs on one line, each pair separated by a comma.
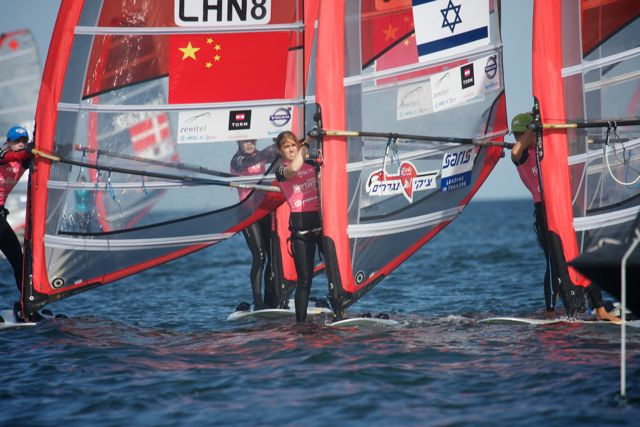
[[10, 320], [364, 321], [520, 320], [532, 321], [276, 313]]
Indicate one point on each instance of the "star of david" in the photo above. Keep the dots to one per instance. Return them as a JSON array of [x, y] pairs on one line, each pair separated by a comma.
[[445, 15]]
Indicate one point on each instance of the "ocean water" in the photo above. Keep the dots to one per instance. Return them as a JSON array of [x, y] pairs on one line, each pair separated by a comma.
[[155, 349]]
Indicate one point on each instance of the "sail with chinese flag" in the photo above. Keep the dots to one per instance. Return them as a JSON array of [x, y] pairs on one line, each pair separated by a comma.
[[136, 143]]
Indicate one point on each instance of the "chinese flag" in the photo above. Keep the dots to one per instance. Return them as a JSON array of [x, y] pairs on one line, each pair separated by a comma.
[[381, 30], [227, 67]]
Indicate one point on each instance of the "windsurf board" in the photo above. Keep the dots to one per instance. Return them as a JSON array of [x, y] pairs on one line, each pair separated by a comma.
[[364, 321]]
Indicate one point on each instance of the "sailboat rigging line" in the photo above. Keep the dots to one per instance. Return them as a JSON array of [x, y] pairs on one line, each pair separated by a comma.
[[583, 125], [180, 166], [396, 136], [184, 178], [606, 157], [390, 141]]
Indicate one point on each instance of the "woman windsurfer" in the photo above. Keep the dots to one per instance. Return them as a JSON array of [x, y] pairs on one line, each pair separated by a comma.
[[298, 182], [250, 161]]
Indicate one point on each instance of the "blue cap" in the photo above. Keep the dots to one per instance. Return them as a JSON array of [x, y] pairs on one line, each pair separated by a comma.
[[17, 132]]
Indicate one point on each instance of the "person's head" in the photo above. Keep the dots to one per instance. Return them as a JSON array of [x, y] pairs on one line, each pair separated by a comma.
[[17, 137], [520, 126], [247, 146], [288, 145]]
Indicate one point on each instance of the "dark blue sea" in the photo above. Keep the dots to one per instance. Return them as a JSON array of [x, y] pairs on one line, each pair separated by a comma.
[[156, 350]]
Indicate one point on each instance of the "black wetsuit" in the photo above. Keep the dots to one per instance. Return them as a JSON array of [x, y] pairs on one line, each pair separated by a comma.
[[556, 277], [258, 234], [306, 235], [10, 246]]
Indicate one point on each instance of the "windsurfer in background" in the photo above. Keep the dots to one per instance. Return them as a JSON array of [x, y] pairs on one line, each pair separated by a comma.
[[523, 155], [14, 160], [298, 181], [248, 160]]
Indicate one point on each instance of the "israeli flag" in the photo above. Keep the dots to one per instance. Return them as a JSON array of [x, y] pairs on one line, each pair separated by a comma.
[[450, 27]]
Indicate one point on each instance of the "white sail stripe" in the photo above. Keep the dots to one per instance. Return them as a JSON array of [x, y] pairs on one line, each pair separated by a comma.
[[597, 154], [356, 166], [607, 60], [442, 148], [118, 108], [588, 87], [392, 72], [97, 244], [402, 225], [606, 219], [131, 31], [21, 79], [104, 186]]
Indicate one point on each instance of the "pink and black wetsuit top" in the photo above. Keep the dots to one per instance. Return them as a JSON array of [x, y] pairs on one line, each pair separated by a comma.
[[528, 170], [301, 193], [252, 164], [12, 166]]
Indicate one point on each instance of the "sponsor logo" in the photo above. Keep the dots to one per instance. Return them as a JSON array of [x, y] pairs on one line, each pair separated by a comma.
[[195, 124], [239, 119], [406, 182], [491, 69], [221, 12], [280, 117], [466, 75], [411, 99], [456, 159], [456, 169]]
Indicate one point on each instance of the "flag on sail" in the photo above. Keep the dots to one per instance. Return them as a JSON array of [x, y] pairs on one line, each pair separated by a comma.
[[450, 27], [382, 30], [151, 138], [227, 67]]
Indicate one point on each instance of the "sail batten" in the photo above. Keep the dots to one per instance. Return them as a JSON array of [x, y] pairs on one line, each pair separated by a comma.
[[157, 31], [117, 108]]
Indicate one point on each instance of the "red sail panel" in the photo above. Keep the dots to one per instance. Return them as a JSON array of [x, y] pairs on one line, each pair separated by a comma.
[[330, 92], [548, 88], [46, 116], [603, 18], [121, 60]]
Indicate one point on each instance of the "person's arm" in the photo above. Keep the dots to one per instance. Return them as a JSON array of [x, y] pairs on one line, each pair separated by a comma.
[[294, 167], [14, 156], [519, 150]]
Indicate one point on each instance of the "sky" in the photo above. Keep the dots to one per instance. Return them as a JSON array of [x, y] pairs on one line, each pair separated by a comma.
[[504, 183]]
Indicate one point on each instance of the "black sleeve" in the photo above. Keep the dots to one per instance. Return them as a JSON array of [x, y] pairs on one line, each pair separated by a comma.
[[280, 173], [523, 158], [269, 154]]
